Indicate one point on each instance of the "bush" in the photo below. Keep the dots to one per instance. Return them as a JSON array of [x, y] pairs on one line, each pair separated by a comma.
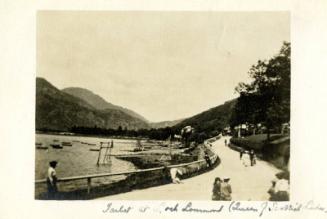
[[255, 142], [246, 143]]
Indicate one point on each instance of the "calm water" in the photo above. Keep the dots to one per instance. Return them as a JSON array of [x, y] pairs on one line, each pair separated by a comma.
[[78, 159]]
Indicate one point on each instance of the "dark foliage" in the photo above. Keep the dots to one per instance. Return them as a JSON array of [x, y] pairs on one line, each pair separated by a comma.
[[208, 123], [266, 99]]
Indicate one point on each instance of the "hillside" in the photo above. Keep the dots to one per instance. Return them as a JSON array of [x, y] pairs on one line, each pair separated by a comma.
[[57, 110], [214, 119], [165, 124], [98, 102]]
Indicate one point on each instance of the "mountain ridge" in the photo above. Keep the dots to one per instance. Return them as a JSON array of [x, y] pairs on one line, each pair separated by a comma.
[[164, 124], [99, 102], [57, 110], [62, 109]]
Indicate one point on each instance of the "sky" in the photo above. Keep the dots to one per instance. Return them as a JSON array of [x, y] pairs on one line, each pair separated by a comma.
[[162, 65]]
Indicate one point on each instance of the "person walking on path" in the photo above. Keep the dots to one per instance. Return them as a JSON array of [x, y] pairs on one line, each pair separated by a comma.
[[252, 157], [226, 190], [52, 180], [282, 189], [246, 159], [216, 195], [271, 190], [241, 154], [207, 159]]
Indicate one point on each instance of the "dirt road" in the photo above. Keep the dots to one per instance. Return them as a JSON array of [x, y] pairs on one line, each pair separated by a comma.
[[248, 183]]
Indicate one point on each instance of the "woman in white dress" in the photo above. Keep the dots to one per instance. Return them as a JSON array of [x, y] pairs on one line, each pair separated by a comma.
[[174, 174], [246, 159]]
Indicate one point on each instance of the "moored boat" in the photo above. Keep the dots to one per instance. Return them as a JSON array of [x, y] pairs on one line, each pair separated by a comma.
[[56, 146], [66, 143], [41, 147]]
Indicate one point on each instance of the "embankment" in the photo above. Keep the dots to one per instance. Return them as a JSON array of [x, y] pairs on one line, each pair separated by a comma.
[[139, 179], [275, 151]]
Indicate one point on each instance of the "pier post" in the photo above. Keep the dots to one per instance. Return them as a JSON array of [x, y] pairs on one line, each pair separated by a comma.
[[88, 185]]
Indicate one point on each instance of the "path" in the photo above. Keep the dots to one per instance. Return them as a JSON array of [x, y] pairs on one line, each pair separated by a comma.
[[248, 183]]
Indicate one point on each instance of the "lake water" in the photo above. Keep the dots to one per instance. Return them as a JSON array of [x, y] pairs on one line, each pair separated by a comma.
[[77, 160]]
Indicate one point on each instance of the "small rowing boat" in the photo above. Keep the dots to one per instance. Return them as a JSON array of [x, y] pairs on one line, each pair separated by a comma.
[[66, 143], [41, 147], [56, 146]]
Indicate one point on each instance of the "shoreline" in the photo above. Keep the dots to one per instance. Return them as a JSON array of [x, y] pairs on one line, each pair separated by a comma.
[[92, 136], [139, 180]]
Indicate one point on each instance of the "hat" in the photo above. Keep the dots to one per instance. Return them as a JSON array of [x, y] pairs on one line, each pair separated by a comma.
[[53, 163], [226, 178], [217, 178]]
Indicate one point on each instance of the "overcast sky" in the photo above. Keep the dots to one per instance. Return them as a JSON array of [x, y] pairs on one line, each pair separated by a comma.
[[163, 65]]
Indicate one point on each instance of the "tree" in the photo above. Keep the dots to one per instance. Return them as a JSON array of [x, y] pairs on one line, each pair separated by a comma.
[[267, 98]]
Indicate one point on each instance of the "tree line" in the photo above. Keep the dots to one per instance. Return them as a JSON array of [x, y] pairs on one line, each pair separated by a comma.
[[155, 134], [266, 100]]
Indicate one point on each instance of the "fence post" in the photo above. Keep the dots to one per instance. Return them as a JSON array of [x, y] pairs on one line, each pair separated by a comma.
[[88, 185]]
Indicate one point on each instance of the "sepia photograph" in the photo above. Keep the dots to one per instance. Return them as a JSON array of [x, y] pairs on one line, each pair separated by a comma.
[[163, 105]]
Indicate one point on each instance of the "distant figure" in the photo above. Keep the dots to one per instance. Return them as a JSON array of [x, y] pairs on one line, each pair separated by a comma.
[[225, 190], [207, 159], [174, 172], [52, 180], [216, 194], [225, 142], [252, 157], [279, 190], [246, 159], [241, 154], [271, 190], [165, 174], [282, 190]]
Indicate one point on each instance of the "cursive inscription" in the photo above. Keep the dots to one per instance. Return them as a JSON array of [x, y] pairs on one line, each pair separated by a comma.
[[233, 207], [237, 206], [120, 209]]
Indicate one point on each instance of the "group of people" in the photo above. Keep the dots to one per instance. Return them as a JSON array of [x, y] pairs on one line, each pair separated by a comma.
[[248, 158], [222, 190]]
